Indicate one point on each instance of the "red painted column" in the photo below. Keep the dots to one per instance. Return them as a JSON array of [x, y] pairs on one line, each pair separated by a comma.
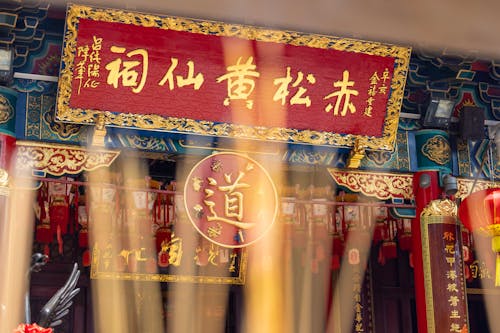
[[426, 188]]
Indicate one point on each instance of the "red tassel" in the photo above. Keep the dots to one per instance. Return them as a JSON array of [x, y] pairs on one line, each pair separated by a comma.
[[59, 216], [335, 264], [43, 230], [43, 233], [381, 258], [338, 245], [86, 258], [466, 238], [59, 240], [83, 238], [390, 250], [467, 253], [379, 232], [46, 251], [405, 242], [163, 258]]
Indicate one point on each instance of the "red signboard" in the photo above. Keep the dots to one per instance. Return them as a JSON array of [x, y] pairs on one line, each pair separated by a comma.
[[211, 78]]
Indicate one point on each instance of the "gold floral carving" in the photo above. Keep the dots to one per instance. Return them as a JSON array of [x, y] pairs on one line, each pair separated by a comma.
[[394, 185], [465, 186], [6, 110], [443, 207], [383, 186], [156, 122], [437, 149], [61, 159]]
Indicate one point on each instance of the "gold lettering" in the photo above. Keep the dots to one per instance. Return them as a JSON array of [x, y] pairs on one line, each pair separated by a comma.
[[233, 200], [449, 249], [453, 300], [125, 70], [450, 261], [385, 75], [454, 327], [452, 287], [298, 98], [190, 78], [343, 94], [452, 275], [448, 236], [240, 81], [169, 76], [232, 266], [213, 253]]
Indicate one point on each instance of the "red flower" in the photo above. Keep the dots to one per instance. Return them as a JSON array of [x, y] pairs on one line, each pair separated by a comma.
[[32, 328]]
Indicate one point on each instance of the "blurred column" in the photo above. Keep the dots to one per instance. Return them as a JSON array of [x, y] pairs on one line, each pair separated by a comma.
[[8, 99]]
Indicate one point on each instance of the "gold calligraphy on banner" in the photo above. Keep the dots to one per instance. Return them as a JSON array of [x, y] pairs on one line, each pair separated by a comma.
[[130, 69]]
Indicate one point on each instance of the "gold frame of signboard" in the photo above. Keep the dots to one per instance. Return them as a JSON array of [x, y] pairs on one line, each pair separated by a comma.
[[386, 141]]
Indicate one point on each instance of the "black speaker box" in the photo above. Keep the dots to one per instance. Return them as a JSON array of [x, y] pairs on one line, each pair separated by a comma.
[[472, 123]]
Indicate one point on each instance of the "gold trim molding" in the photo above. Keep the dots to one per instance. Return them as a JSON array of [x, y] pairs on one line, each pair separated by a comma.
[[442, 207], [65, 113], [380, 185], [58, 159]]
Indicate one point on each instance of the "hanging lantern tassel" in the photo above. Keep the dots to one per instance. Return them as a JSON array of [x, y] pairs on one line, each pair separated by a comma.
[[44, 232], [389, 246], [495, 246]]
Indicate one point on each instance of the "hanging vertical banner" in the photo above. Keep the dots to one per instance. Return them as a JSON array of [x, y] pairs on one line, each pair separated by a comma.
[[209, 78], [444, 280]]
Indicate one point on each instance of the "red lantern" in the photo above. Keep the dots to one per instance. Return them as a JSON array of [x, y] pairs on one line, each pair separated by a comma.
[[480, 212]]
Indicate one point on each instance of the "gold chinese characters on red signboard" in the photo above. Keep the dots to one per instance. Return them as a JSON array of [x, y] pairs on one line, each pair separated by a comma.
[[225, 80], [230, 199]]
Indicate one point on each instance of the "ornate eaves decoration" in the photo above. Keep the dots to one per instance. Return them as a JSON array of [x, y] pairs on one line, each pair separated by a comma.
[[383, 185], [57, 159], [380, 185], [465, 186]]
